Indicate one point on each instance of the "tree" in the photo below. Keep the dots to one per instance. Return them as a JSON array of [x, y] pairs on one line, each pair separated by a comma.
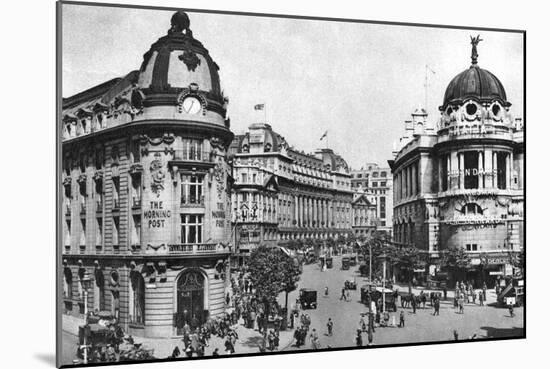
[[456, 260], [272, 272]]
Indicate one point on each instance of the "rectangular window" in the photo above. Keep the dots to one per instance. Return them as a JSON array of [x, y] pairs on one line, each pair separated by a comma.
[[383, 174], [68, 234], [359, 175], [192, 150], [375, 175], [471, 179], [136, 230], [99, 232], [382, 184], [444, 172], [382, 207], [374, 184], [83, 233], [192, 189], [243, 177], [501, 170], [136, 189], [116, 192], [116, 230], [254, 178], [191, 228]]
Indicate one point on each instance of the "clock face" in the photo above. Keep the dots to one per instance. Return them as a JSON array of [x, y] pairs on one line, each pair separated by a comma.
[[192, 105]]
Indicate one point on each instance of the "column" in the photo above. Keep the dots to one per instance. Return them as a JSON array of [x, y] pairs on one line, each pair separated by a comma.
[[455, 170], [295, 204], [488, 168], [317, 218], [448, 158], [495, 170], [480, 170], [327, 220], [403, 184], [414, 180], [330, 213], [508, 171], [461, 170]]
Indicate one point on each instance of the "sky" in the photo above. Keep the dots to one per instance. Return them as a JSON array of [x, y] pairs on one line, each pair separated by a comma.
[[358, 81]]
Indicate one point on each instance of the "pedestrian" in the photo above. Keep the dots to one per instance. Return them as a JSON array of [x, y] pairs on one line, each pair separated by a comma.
[[461, 304], [176, 353], [444, 293], [511, 310], [348, 297], [326, 291], [481, 298], [358, 338], [329, 326], [474, 295], [314, 339], [436, 306], [362, 324], [484, 291], [413, 303], [216, 353], [343, 296], [455, 334], [401, 319]]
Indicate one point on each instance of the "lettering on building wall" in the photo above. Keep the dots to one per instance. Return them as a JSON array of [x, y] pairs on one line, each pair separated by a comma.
[[156, 215], [219, 215]]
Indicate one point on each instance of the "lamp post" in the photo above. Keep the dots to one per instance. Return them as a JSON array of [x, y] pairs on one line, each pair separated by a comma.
[[86, 283], [383, 258]]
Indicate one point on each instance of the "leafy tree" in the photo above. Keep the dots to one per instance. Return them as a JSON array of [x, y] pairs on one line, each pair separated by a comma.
[[272, 272], [456, 260]]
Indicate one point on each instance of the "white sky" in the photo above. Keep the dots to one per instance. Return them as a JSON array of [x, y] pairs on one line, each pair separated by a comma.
[[358, 81]]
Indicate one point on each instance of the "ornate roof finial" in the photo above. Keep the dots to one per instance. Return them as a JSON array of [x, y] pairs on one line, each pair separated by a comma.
[[474, 41], [179, 22]]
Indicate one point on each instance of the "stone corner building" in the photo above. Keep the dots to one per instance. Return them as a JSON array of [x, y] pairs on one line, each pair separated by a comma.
[[281, 193], [461, 184], [146, 190]]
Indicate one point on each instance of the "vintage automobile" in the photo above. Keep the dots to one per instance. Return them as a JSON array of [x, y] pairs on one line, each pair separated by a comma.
[[308, 298], [371, 292], [350, 285], [328, 261], [353, 260], [345, 263]]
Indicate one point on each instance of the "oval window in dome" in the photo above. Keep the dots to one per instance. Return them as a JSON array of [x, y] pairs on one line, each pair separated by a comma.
[[495, 109], [471, 109]]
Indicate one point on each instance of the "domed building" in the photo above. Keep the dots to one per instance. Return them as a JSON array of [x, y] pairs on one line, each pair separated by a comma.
[[282, 194], [460, 184], [146, 191]]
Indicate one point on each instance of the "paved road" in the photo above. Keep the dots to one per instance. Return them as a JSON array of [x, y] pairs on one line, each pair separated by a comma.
[[487, 321]]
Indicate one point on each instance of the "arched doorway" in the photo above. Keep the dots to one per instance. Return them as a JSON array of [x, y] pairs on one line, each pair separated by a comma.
[[190, 300]]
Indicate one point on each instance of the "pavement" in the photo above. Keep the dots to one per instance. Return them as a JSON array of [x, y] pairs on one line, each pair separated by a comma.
[[483, 321], [248, 342]]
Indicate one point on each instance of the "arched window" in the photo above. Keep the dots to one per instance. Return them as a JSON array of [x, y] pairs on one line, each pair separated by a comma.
[[67, 283], [471, 208], [138, 298]]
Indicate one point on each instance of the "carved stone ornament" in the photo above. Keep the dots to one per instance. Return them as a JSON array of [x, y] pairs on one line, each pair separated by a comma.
[[162, 246], [167, 138], [82, 178], [157, 176], [190, 59], [502, 201], [217, 143], [98, 175], [219, 177], [67, 181], [136, 168]]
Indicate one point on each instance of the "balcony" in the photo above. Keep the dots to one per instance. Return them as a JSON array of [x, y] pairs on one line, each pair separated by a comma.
[[136, 203], [192, 201], [200, 159], [196, 249]]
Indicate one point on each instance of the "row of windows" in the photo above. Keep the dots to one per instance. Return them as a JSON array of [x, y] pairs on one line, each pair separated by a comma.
[[383, 174]]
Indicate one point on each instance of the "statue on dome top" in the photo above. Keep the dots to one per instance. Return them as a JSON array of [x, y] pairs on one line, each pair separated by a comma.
[[475, 41]]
